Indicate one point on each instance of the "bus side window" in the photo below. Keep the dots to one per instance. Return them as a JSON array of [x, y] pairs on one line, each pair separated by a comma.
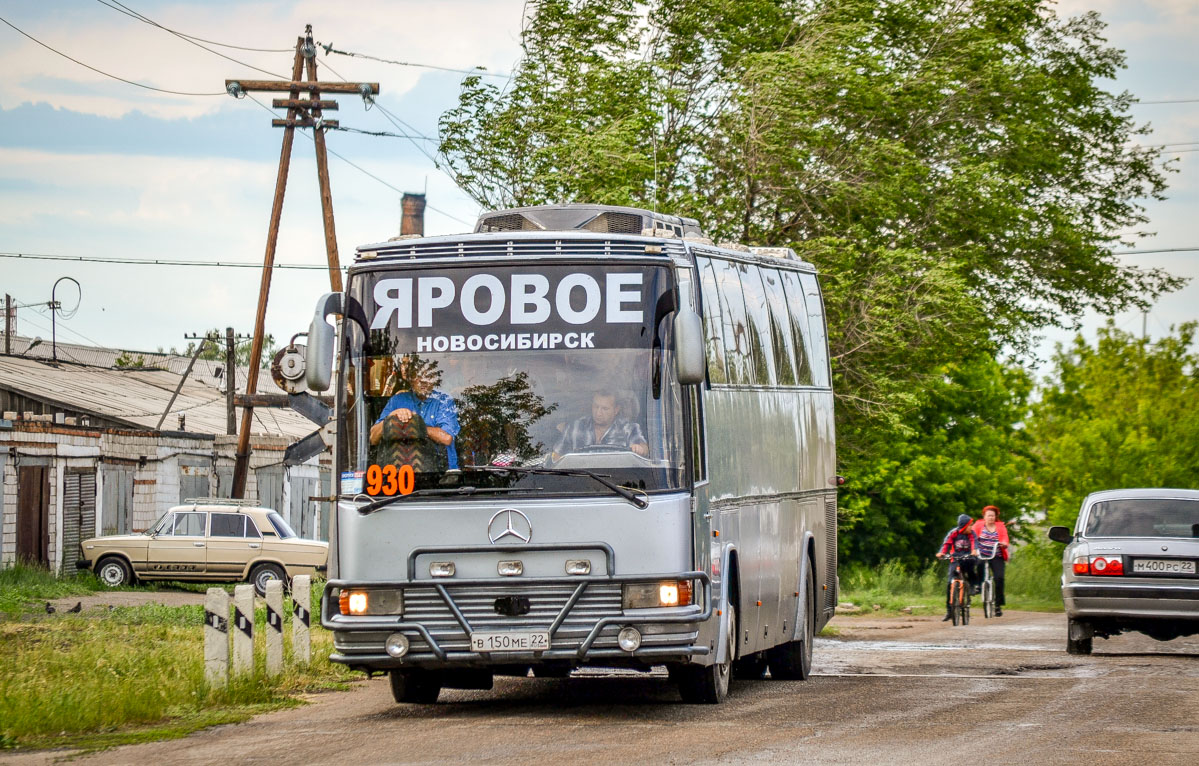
[[780, 327], [765, 369], [800, 333], [734, 323], [713, 339], [699, 459], [820, 370]]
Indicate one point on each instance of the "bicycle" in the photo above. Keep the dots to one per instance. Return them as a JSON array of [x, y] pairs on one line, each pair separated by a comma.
[[988, 583], [959, 590]]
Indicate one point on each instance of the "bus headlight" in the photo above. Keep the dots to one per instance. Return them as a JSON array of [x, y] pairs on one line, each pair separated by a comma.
[[371, 601], [643, 595], [396, 645], [629, 639]]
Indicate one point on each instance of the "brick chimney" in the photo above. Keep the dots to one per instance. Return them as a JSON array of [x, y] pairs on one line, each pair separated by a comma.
[[412, 220]]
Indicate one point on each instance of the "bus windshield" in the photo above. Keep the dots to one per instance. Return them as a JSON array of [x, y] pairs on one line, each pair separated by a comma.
[[450, 374]]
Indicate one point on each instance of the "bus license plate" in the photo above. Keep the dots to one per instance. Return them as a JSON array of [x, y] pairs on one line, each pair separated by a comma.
[[1163, 566], [511, 641]]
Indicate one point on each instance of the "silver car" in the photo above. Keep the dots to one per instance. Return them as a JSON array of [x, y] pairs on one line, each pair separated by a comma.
[[1131, 564]]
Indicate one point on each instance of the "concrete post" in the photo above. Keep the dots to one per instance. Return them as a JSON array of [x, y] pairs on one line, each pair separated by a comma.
[[274, 627], [243, 630], [216, 637], [301, 595]]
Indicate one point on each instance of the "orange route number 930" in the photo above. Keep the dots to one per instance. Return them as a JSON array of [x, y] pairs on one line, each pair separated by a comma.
[[389, 480]]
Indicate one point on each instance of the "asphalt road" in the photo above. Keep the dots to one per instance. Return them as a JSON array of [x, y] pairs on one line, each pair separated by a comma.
[[892, 690]]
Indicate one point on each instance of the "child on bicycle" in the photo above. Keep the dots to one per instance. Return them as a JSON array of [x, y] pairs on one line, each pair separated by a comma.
[[959, 541]]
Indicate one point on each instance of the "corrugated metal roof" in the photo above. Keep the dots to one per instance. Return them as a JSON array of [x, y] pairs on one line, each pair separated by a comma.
[[138, 397], [204, 371]]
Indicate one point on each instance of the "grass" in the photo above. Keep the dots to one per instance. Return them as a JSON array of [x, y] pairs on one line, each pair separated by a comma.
[[128, 674], [24, 589], [1033, 582]]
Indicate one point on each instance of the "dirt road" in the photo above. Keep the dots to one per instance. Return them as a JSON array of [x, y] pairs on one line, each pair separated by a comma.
[[891, 690]]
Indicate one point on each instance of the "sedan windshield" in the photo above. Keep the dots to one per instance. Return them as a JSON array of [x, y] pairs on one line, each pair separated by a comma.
[[1144, 517], [452, 373]]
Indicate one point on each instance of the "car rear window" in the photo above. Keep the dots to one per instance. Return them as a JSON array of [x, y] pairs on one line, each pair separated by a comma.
[[281, 527], [1144, 517], [228, 525]]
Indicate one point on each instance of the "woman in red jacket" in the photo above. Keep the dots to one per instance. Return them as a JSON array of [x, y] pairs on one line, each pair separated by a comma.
[[991, 537]]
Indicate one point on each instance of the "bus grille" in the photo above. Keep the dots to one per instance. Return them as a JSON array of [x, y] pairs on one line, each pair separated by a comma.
[[830, 552], [425, 606], [547, 248]]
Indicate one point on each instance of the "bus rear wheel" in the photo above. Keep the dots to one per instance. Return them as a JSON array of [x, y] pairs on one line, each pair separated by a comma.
[[421, 687], [792, 661], [709, 684]]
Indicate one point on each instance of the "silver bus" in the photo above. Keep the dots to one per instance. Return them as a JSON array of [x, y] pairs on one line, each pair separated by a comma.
[[580, 436]]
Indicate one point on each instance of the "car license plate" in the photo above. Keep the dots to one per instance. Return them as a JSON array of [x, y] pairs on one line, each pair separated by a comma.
[[1163, 566], [511, 641]]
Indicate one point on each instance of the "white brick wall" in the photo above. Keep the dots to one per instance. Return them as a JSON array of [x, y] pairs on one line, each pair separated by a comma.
[[156, 483]]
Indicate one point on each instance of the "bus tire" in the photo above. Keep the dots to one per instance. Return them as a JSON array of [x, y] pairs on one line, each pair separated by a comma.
[[420, 687], [751, 668], [709, 684], [792, 661]]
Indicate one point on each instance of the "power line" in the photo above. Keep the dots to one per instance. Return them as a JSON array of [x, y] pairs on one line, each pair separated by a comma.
[[411, 137], [1162, 250], [382, 133], [106, 74], [1170, 101], [159, 261], [185, 38], [135, 15], [476, 71]]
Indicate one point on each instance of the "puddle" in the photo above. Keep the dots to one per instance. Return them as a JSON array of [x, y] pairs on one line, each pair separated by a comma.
[[832, 644]]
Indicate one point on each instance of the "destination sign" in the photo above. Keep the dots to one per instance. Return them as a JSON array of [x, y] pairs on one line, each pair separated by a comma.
[[514, 308]]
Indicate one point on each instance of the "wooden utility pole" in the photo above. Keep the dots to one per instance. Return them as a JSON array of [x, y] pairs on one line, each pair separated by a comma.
[[302, 111], [230, 382]]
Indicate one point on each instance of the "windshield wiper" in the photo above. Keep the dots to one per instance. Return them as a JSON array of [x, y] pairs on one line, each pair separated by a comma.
[[625, 492], [380, 502]]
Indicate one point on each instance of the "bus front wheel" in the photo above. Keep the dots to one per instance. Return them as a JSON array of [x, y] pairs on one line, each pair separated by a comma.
[[418, 686], [709, 684]]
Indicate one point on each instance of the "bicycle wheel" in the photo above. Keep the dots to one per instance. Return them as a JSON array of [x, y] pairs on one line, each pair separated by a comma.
[[956, 590], [988, 599]]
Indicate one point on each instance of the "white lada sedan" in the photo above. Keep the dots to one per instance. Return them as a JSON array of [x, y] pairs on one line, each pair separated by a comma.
[[1131, 564], [206, 541]]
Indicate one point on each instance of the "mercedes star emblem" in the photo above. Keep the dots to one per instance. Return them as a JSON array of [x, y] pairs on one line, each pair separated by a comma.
[[509, 523]]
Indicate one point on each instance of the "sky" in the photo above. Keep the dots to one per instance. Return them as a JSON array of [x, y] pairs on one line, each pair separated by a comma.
[[94, 167]]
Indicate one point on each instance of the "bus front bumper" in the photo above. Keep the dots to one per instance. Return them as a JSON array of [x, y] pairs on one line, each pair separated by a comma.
[[583, 616]]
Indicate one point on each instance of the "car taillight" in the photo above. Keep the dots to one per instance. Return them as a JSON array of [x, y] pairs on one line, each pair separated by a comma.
[[1081, 565], [1104, 565]]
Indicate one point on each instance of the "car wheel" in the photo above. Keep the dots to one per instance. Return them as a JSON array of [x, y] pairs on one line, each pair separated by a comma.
[[264, 573], [418, 686], [1078, 637], [114, 572]]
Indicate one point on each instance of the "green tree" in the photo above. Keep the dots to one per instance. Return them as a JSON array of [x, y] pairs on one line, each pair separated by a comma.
[[214, 349], [963, 450], [957, 171], [1121, 413]]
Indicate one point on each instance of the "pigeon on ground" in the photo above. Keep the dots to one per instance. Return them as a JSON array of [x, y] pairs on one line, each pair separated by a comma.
[[50, 608], [77, 608]]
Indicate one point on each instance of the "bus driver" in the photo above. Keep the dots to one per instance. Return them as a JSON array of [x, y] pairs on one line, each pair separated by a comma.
[[419, 423], [605, 427]]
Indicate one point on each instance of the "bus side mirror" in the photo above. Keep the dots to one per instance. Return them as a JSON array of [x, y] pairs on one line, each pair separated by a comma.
[[318, 359], [689, 362], [1060, 534]]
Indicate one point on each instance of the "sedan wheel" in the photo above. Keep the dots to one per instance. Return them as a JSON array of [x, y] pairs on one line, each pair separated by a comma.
[[114, 572], [265, 573]]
